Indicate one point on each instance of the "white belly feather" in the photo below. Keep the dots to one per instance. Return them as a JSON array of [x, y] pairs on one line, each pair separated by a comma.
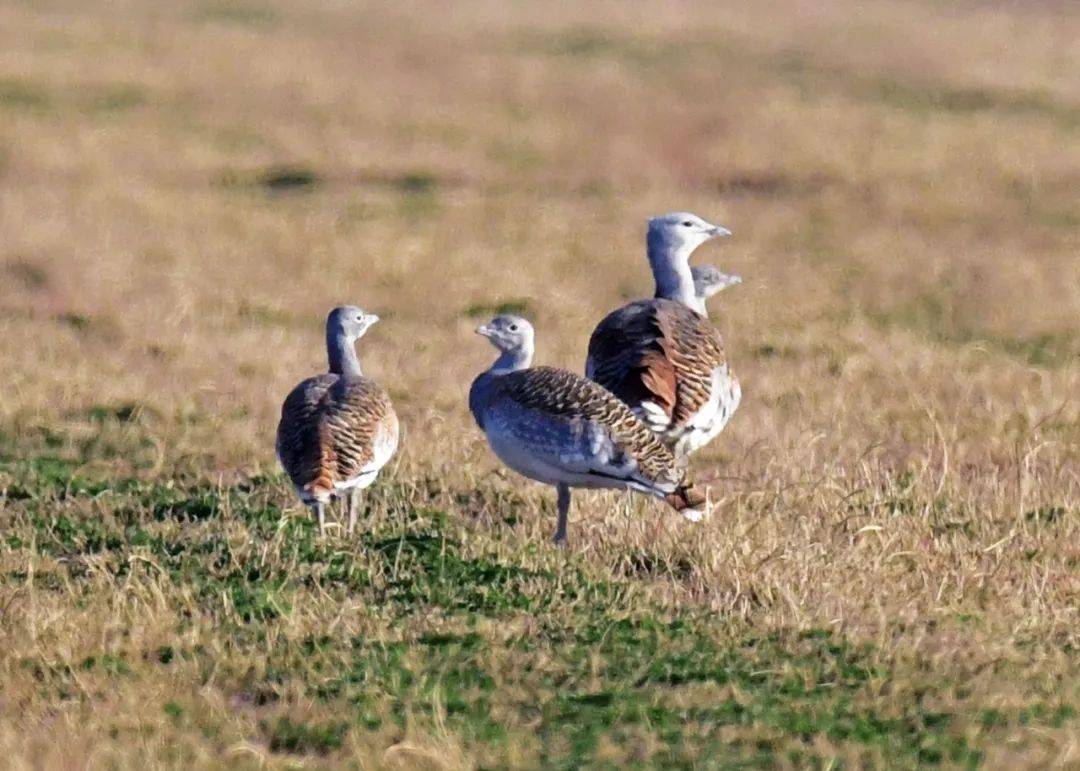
[[704, 425]]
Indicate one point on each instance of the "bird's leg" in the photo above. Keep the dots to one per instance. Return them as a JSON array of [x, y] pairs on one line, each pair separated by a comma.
[[354, 498], [320, 509], [564, 511]]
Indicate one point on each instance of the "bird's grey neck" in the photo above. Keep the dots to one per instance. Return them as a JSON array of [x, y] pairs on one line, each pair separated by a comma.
[[342, 353], [671, 271], [512, 361], [487, 382]]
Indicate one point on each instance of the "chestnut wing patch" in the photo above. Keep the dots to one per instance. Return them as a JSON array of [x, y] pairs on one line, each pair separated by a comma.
[[657, 351], [630, 356], [301, 436], [327, 430]]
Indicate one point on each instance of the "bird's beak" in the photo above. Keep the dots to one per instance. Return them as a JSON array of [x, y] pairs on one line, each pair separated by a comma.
[[733, 279], [719, 231], [484, 330], [371, 319]]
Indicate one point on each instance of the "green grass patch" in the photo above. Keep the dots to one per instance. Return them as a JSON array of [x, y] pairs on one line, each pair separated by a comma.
[[286, 736], [518, 307], [274, 179], [288, 178], [938, 97], [114, 98], [27, 274], [499, 650], [237, 12], [23, 95], [931, 315], [264, 315]]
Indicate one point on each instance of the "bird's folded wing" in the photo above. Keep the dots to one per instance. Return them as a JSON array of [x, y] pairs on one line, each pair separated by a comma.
[[657, 355], [355, 422], [298, 442], [579, 425], [574, 444]]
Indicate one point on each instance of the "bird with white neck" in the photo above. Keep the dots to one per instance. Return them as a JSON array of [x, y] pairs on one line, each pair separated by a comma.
[[662, 356], [670, 241], [558, 428]]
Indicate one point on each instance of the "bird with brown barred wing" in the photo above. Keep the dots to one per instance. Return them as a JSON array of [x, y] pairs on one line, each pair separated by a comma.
[[560, 429], [338, 429], [663, 357]]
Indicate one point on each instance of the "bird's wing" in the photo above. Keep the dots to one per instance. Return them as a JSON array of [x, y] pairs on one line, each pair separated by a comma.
[[299, 444], [570, 422], [658, 356], [358, 427], [333, 429]]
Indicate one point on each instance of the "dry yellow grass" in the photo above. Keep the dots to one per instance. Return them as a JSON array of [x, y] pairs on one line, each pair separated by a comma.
[[904, 471]]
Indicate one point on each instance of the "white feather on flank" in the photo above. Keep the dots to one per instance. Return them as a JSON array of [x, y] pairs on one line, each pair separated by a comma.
[[653, 415], [384, 447]]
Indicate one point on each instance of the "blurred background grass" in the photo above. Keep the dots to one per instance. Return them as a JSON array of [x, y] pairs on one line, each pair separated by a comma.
[[186, 188]]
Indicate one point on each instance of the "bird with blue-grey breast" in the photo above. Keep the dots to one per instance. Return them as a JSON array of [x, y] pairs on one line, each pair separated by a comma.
[[662, 356], [561, 429], [337, 429]]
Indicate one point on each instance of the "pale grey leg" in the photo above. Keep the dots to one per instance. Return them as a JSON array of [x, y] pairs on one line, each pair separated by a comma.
[[320, 508], [564, 511], [354, 499]]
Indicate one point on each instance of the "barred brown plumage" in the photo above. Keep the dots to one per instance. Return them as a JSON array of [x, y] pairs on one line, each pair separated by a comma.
[[556, 427], [329, 429], [565, 394], [662, 356], [337, 430], [658, 351]]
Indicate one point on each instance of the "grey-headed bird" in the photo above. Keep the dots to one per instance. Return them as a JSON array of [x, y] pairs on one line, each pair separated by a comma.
[[558, 428], [662, 356], [709, 280], [338, 429]]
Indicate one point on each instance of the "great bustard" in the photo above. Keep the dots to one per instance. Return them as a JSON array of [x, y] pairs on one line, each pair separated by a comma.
[[662, 356], [337, 429], [558, 428], [708, 280]]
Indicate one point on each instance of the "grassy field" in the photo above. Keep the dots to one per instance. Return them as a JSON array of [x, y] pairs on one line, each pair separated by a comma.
[[891, 575]]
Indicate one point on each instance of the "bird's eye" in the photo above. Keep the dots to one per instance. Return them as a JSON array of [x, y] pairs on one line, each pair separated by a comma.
[[513, 327], [359, 318], [687, 223]]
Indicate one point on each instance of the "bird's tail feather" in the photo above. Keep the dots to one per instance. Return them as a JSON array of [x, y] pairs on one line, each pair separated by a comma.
[[688, 499], [321, 488]]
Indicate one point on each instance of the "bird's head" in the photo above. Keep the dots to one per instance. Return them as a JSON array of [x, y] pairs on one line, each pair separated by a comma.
[[708, 280], [349, 321], [681, 233], [508, 333]]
